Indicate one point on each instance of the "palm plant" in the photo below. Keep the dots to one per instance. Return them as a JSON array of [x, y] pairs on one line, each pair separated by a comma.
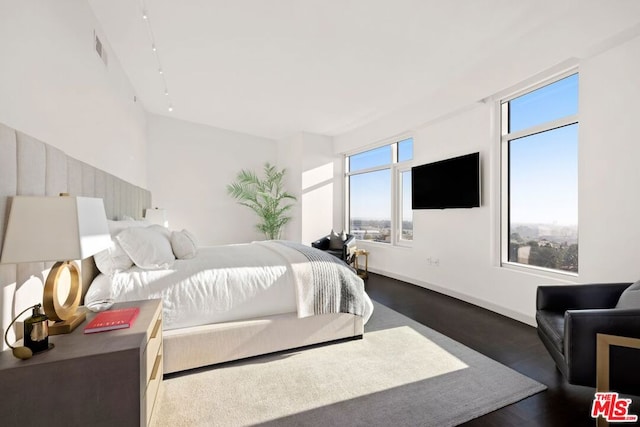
[[265, 197]]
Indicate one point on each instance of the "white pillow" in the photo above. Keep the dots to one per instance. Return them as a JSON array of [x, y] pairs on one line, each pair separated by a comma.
[[148, 247], [116, 227], [161, 229], [183, 244], [113, 259]]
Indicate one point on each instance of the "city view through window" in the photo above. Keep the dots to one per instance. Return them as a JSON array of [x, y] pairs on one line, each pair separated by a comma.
[[543, 176], [371, 177]]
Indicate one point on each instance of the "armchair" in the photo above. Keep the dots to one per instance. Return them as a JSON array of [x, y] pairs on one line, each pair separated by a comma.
[[344, 252], [569, 317]]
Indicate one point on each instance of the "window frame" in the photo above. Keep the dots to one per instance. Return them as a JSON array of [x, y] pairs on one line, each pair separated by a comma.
[[400, 169], [505, 138], [396, 168]]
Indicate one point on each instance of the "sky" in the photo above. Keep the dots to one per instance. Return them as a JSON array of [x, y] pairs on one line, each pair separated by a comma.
[[367, 204], [543, 167], [544, 177]]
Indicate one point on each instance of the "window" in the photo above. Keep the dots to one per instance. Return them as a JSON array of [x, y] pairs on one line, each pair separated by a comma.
[[379, 193], [540, 158]]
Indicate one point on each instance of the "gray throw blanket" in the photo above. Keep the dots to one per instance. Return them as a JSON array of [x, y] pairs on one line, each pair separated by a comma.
[[333, 286]]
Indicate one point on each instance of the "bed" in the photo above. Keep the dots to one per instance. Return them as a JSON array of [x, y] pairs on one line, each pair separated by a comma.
[[29, 166], [230, 302]]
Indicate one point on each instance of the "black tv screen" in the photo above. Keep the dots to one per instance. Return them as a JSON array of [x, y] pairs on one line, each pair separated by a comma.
[[450, 183]]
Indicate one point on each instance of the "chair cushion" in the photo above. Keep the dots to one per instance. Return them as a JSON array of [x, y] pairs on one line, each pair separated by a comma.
[[335, 253], [552, 324], [630, 298]]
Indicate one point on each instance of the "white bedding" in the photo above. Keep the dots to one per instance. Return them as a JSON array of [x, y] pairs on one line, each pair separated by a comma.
[[220, 284]]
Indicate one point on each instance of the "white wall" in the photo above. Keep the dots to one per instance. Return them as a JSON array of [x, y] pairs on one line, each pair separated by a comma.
[[321, 183], [609, 199], [190, 166], [313, 175], [290, 158], [466, 241], [55, 87]]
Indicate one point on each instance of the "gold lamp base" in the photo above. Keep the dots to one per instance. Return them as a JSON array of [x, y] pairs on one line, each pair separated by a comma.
[[64, 315], [67, 326]]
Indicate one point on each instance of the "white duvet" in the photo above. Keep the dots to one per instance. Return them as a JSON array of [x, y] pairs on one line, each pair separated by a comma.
[[221, 284]]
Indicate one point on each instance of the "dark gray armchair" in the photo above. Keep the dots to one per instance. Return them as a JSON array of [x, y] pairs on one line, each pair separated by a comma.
[[570, 316], [342, 251]]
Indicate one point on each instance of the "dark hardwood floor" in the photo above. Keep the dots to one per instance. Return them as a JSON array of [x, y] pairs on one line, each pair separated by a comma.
[[505, 340]]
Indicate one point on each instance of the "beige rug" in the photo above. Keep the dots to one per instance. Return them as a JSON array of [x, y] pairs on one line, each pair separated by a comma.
[[401, 373]]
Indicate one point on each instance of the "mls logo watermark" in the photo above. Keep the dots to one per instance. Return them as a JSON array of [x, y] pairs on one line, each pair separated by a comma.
[[612, 408]]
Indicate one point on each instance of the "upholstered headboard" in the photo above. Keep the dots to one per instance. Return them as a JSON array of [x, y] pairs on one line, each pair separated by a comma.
[[32, 168]]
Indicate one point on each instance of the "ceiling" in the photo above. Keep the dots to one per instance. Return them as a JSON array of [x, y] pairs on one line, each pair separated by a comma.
[[273, 68]]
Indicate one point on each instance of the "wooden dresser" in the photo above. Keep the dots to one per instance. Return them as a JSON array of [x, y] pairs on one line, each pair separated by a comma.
[[102, 379]]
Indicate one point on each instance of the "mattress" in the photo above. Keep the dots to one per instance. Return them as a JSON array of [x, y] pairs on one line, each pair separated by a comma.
[[220, 284]]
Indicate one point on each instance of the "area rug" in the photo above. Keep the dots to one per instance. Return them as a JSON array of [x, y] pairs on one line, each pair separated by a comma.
[[401, 373]]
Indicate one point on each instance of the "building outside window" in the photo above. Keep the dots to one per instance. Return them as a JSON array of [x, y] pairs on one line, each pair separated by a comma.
[[378, 201], [540, 176]]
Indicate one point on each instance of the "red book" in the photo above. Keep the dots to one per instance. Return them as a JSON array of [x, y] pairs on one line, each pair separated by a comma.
[[112, 319]]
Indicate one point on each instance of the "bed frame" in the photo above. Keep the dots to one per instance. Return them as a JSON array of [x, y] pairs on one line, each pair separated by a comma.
[[31, 167], [198, 346]]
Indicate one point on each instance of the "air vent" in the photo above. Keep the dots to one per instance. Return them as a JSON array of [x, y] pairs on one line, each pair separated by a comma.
[[100, 48]]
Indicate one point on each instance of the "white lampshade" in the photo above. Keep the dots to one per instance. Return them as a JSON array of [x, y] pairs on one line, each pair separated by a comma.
[[54, 229], [157, 216]]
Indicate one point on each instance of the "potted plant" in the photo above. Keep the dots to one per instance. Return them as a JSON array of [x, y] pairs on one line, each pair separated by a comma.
[[265, 196]]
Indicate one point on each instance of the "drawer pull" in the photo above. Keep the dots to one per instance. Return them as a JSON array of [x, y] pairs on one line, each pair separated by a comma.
[[156, 328], [156, 367]]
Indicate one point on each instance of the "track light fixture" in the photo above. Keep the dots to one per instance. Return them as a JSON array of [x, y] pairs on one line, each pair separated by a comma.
[[154, 49]]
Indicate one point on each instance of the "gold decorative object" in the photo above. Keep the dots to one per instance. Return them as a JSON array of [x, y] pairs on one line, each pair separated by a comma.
[[65, 316]]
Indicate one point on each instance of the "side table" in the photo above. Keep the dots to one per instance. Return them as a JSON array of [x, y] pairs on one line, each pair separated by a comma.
[[603, 343], [358, 253]]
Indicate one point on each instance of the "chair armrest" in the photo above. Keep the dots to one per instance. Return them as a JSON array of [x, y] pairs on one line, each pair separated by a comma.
[[581, 327], [322, 243], [559, 298], [349, 243], [346, 247]]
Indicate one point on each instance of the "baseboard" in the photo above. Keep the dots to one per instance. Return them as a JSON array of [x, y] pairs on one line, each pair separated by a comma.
[[529, 320]]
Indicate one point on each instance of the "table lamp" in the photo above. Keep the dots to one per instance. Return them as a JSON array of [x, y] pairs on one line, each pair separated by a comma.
[[60, 229], [157, 216]]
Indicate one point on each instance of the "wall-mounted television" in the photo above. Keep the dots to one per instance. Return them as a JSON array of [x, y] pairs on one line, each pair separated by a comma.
[[450, 183]]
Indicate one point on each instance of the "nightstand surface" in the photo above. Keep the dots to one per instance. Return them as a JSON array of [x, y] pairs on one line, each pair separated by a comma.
[[92, 378]]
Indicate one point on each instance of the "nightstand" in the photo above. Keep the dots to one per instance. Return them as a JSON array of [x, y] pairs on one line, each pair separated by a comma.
[[102, 379]]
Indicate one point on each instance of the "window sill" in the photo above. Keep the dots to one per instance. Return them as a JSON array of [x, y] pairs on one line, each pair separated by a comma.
[[541, 272], [383, 244]]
